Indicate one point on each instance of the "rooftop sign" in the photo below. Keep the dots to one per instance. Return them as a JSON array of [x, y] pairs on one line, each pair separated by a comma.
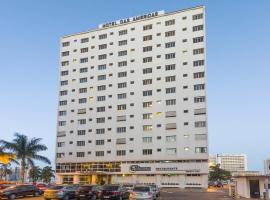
[[131, 19]]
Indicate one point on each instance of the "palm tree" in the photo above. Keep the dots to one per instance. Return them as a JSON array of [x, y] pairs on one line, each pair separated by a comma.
[[4, 171], [34, 174], [26, 151], [47, 173]]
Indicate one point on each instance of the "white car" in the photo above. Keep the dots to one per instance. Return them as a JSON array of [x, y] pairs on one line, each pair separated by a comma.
[[142, 192]]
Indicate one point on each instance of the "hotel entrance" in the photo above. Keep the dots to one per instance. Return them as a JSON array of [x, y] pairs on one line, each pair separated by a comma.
[[99, 179]]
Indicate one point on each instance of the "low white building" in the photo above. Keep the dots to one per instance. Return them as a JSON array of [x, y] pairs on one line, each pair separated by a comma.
[[267, 166]]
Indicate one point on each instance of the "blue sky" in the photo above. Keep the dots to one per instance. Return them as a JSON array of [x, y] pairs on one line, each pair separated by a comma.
[[238, 67]]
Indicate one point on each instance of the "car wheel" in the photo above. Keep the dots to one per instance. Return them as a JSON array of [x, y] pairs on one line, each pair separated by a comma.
[[11, 197], [36, 194]]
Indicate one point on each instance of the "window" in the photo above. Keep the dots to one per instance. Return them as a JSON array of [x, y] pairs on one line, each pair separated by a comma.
[[198, 39], [197, 63], [147, 48], [102, 57], [199, 99], [170, 90], [147, 59], [84, 40], [121, 118], [122, 85], [80, 154], [63, 92], [101, 98], [169, 55], [200, 124], [60, 144], [169, 114], [101, 109], [122, 96], [170, 22], [147, 27], [197, 28], [82, 90], [80, 143], [81, 121], [62, 123], [200, 137], [63, 103], [81, 132], [122, 32], [100, 131], [147, 104], [170, 67], [198, 75], [122, 53], [147, 139], [198, 51], [147, 127], [121, 141], [103, 36], [147, 81], [101, 87], [63, 83], [169, 33], [122, 63], [147, 116], [121, 129], [65, 44], [102, 46], [199, 87], [147, 70], [197, 16], [171, 151], [171, 138], [82, 100], [62, 113], [65, 53], [170, 126], [65, 63], [170, 102], [147, 37], [200, 111], [99, 153], [200, 149], [101, 77], [122, 42], [101, 67], [122, 74], [147, 93], [147, 151], [83, 80], [169, 44], [100, 142], [170, 78], [83, 70], [100, 120], [83, 60], [121, 152], [122, 107]]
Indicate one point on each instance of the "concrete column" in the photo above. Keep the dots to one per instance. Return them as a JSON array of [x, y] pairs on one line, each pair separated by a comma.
[[58, 179], [94, 179], [76, 179]]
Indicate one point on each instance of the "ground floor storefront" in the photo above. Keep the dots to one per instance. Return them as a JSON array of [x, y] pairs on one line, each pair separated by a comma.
[[165, 174]]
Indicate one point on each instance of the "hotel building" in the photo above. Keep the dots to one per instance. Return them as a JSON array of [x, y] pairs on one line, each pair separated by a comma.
[[132, 102]]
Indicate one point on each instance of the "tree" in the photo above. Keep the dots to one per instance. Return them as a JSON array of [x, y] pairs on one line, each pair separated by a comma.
[[26, 151], [4, 171], [34, 174], [47, 174], [218, 174]]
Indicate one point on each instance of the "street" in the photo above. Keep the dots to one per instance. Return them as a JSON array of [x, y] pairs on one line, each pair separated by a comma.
[[179, 194]]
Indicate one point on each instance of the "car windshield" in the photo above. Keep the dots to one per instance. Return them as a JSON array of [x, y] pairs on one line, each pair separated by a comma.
[[128, 185], [56, 187], [85, 187], [11, 187], [110, 187], [141, 189]]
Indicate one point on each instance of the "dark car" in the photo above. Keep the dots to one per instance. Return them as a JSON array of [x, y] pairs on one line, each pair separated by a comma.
[[64, 192], [42, 187], [86, 192], [19, 191], [113, 192]]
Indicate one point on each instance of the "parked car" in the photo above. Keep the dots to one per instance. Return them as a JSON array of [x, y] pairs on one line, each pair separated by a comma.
[[5, 185], [142, 192], [113, 192], [128, 186], [64, 192], [156, 189], [15, 191], [42, 187], [86, 192]]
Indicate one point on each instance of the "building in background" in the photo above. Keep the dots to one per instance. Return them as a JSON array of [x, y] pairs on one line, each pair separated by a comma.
[[267, 166], [132, 102], [15, 176], [230, 162]]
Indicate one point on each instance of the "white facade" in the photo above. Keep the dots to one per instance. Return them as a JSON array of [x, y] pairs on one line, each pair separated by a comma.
[[132, 102], [230, 162], [267, 167]]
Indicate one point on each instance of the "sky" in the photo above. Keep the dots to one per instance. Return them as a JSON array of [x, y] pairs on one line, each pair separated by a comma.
[[238, 67]]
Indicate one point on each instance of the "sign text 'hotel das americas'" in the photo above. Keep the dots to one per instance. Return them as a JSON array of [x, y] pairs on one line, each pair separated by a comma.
[[131, 19]]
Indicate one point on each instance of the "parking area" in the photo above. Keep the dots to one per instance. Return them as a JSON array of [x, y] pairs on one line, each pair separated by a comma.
[[179, 194]]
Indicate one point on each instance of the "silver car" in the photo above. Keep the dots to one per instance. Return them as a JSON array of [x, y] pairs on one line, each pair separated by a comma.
[[156, 190], [142, 192]]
